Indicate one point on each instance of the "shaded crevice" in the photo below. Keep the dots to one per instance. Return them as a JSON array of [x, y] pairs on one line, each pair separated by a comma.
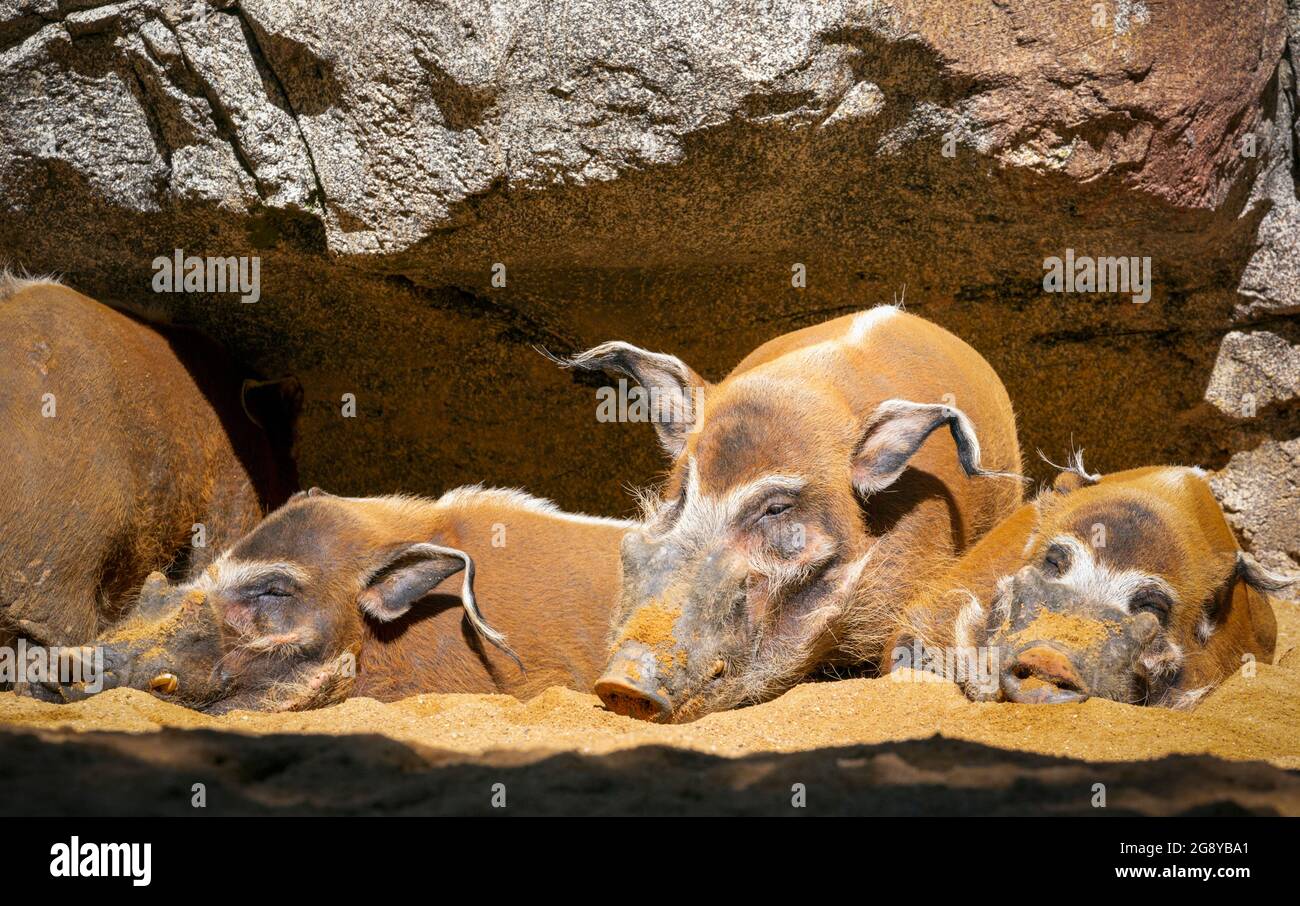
[[1223, 436], [221, 120], [904, 68], [515, 325], [16, 31], [1280, 324], [263, 63], [463, 107], [152, 120], [1289, 60]]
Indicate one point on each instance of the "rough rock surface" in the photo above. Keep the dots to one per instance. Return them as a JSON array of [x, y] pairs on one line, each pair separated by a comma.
[[1253, 370], [1260, 492], [653, 172]]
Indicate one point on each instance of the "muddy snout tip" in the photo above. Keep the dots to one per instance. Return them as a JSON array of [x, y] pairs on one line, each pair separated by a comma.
[[632, 684], [623, 696], [1042, 674]]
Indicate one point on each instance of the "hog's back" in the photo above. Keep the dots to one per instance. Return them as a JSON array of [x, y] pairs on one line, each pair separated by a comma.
[[111, 453], [928, 518], [896, 355], [548, 583]]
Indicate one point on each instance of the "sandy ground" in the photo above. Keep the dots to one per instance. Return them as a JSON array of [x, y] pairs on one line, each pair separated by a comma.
[[1249, 718]]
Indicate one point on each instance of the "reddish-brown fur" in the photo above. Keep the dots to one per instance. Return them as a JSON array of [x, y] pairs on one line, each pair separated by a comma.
[[930, 515], [811, 490], [546, 579], [550, 589], [1186, 542], [140, 449]]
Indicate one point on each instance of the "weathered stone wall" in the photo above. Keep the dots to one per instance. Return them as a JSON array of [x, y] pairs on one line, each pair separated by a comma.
[[653, 172]]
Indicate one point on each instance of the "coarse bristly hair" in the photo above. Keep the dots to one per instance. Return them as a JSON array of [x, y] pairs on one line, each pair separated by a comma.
[[12, 282], [1073, 465]]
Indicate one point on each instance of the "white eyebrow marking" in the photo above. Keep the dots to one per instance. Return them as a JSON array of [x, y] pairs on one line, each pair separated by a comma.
[[227, 573], [704, 519], [791, 484], [1096, 581]]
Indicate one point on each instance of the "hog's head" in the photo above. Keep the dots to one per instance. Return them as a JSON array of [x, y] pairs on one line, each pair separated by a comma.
[[1131, 588], [276, 622], [748, 569]]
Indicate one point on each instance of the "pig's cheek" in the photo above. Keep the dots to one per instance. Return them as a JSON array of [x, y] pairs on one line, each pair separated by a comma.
[[816, 547], [318, 629], [804, 613], [756, 603], [238, 615], [794, 541]]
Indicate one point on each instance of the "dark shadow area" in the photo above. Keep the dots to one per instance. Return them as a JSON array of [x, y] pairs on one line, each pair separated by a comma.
[[912, 488], [426, 608], [153, 775], [259, 416]]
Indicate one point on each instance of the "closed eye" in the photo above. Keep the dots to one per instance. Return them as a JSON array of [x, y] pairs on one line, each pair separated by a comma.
[[1152, 601], [271, 589], [1056, 561]]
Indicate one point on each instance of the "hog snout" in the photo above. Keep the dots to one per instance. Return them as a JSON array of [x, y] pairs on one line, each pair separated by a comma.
[[1041, 673], [631, 685], [684, 626], [168, 647]]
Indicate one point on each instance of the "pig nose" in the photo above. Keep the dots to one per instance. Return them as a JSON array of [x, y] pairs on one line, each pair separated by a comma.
[[1042, 674], [630, 685], [631, 700], [69, 685]]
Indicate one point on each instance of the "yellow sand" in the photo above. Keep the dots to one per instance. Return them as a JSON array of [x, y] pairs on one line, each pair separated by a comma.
[[1247, 718]]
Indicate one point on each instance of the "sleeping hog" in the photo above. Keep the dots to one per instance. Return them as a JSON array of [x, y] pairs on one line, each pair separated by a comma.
[[1129, 587], [333, 596], [810, 492]]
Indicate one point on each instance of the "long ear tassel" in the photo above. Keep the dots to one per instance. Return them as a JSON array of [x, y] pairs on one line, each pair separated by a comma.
[[1261, 579], [1073, 466], [470, 605], [968, 447], [937, 415]]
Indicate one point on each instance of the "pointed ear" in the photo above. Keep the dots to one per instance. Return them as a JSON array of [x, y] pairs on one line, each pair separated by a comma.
[[896, 430], [408, 572], [1240, 618], [676, 392]]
